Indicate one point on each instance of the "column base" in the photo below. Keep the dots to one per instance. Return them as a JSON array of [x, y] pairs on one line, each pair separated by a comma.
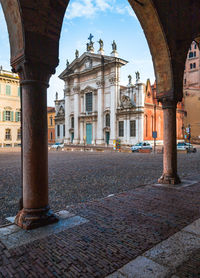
[[166, 179], [29, 219]]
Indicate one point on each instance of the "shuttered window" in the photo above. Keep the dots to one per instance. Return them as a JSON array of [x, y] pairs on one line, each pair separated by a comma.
[[8, 90]]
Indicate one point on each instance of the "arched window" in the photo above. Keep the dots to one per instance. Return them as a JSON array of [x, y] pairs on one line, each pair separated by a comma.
[[146, 125], [107, 120]]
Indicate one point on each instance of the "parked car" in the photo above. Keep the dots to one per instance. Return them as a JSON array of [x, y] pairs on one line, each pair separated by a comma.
[[57, 146], [186, 147], [141, 145]]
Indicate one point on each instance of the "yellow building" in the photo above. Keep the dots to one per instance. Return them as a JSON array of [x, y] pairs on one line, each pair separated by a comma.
[[10, 135], [51, 124]]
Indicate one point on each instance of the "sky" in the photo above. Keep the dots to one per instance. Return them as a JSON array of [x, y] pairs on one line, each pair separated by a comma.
[[106, 19]]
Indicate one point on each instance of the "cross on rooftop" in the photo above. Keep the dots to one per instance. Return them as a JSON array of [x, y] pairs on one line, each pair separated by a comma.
[[90, 38]]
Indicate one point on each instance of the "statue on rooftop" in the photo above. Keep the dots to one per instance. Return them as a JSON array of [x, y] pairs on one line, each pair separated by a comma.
[[67, 63], [56, 95], [114, 46], [100, 45], [137, 74], [77, 53], [129, 79]]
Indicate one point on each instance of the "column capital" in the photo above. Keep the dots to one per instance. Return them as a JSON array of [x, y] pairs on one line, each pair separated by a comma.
[[100, 84], [33, 71], [168, 103], [113, 80]]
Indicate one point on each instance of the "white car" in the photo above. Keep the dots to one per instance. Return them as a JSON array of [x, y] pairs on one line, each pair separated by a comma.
[[141, 145], [182, 146], [57, 146]]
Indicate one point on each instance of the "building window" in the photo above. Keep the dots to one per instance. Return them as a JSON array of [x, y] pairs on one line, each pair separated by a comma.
[[190, 54], [8, 90], [8, 134], [51, 120], [51, 135], [7, 116], [19, 134], [107, 120], [89, 102], [190, 66], [58, 130], [121, 129], [72, 122], [146, 125], [133, 128], [17, 116], [194, 53], [63, 130], [194, 65], [195, 46]]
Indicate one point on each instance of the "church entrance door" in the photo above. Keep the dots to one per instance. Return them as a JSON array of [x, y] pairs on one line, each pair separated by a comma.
[[72, 137], [107, 137], [89, 134]]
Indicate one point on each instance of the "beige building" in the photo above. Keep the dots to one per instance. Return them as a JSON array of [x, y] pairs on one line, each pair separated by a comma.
[[10, 135], [191, 91]]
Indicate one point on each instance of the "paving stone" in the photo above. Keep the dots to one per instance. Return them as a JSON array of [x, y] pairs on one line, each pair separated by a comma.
[[194, 227], [173, 251]]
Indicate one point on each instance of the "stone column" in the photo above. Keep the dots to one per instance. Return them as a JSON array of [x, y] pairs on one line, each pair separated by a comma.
[[81, 132], [113, 100], [169, 175], [67, 116], [94, 132], [100, 120], [128, 131], [76, 117], [125, 130], [34, 80]]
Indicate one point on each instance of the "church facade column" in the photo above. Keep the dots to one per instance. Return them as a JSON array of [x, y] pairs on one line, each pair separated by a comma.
[[128, 130], [67, 116], [169, 175], [81, 131], [113, 101], [34, 79], [76, 116], [100, 118]]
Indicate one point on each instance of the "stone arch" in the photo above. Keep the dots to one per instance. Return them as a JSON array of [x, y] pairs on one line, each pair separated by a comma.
[[13, 19]]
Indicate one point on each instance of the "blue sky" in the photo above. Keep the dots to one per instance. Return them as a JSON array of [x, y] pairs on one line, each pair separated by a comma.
[[106, 19]]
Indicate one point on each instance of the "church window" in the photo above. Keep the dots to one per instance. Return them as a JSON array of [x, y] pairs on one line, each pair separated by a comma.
[[88, 102], [19, 134], [8, 134], [121, 129], [51, 120], [51, 136], [58, 130], [72, 122], [107, 120], [194, 53], [190, 66], [146, 126], [63, 130], [195, 46], [8, 90], [190, 54], [133, 128], [194, 65]]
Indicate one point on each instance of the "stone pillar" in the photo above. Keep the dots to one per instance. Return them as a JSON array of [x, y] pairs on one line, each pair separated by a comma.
[[82, 103], [34, 80], [128, 131], [125, 130], [76, 117], [113, 100], [100, 120], [169, 175], [81, 132], [67, 116], [94, 133]]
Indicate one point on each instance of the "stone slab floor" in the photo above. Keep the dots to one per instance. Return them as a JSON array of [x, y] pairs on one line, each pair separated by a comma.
[[113, 232]]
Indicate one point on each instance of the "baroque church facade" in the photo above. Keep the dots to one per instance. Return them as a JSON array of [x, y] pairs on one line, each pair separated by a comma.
[[96, 109]]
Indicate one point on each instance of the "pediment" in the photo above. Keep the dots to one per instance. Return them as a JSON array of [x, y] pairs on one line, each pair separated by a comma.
[[88, 89]]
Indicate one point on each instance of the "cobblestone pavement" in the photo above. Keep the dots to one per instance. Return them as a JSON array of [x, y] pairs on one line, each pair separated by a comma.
[[76, 177], [120, 228]]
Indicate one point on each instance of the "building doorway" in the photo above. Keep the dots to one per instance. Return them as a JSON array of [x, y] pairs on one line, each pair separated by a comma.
[[89, 134], [107, 137]]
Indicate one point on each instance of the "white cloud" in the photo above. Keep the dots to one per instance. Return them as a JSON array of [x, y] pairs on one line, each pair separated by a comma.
[[89, 8]]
